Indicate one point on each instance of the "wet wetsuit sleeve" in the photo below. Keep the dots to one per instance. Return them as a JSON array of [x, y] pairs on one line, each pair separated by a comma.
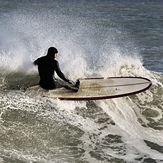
[[59, 72], [35, 62]]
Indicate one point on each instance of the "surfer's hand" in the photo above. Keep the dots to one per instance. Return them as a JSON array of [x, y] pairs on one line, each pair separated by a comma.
[[77, 84]]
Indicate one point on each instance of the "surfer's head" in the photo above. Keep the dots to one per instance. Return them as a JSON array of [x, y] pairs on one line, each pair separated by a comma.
[[52, 51]]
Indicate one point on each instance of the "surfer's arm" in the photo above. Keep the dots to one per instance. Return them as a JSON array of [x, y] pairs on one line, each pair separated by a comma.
[[60, 74], [35, 62]]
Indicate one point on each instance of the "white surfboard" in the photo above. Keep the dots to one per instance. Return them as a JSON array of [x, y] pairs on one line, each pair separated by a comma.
[[100, 88]]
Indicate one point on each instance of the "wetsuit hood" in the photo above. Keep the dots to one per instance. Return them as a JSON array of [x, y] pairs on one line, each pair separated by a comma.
[[51, 52]]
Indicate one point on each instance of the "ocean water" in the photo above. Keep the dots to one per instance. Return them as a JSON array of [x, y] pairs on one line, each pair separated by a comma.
[[94, 38]]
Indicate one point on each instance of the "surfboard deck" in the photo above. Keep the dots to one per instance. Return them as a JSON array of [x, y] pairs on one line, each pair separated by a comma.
[[100, 88]]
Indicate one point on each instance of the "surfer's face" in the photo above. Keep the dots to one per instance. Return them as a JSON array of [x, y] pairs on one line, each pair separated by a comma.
[[55, 55]]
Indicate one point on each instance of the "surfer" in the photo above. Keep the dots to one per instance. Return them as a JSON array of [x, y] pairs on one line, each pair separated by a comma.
[[47, 66]]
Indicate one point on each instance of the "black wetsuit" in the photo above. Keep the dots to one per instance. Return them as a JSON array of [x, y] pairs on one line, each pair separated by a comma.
[[47, 66]]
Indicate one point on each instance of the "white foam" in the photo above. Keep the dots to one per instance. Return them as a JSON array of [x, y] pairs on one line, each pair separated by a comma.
[[133, 134]]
